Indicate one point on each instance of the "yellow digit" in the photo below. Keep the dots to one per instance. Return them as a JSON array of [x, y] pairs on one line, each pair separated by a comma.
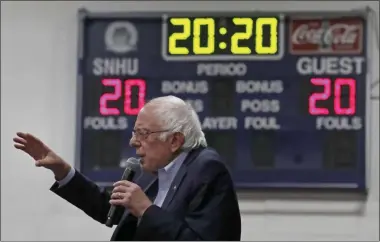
[[210, 46], [235, 48], [272, 48], [173, 49]]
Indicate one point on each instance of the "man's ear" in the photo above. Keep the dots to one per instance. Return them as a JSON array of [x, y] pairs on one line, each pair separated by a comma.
[[178, 139]]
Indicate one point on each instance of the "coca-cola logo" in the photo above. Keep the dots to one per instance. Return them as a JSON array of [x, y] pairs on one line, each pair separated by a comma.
[[339, 33]]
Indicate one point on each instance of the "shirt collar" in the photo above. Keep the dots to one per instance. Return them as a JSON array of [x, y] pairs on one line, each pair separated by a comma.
[[174, 165]]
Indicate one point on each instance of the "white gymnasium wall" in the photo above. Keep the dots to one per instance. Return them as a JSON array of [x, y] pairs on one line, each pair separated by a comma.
[[38, 87]]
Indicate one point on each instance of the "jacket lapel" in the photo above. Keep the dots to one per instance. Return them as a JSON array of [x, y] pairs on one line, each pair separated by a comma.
[[174, 186], [181, 174]]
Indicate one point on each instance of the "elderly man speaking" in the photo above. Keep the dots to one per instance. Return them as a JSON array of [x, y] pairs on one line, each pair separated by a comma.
[[167, 136]]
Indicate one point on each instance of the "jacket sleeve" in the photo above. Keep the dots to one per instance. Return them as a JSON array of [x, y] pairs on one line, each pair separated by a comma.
[[213, 212], [87, 196]]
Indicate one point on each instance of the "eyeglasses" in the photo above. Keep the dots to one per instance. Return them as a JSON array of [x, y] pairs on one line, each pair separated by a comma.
[[143, 133]]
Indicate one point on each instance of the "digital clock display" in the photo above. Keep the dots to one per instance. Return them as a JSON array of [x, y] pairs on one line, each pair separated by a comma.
[[222, 36], [282, 99]]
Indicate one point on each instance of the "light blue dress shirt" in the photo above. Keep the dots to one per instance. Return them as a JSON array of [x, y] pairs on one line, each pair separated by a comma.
[[166, 176]]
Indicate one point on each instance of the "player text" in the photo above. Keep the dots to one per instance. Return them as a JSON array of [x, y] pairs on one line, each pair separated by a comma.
[[222, 123]]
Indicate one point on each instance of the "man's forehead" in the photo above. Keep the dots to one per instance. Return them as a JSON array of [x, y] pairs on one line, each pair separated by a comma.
[[145, 119]]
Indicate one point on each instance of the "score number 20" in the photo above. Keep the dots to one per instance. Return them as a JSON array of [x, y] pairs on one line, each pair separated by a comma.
[[117, 84], [338, 109]]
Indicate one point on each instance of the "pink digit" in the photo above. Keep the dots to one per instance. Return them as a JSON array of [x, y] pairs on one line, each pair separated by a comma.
[[313, 110], [141, 96], [104, 110], [338, 93]]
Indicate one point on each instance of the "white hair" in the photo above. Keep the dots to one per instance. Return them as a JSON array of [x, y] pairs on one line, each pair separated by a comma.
[[176, 115]]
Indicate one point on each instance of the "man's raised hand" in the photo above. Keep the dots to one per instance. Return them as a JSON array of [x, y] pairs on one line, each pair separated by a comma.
[[42, 154]]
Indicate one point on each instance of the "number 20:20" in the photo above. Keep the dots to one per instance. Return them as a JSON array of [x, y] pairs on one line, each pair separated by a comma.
[[236, 37]]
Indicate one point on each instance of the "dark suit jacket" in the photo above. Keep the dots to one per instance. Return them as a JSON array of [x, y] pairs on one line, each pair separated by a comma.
[[201, 204]]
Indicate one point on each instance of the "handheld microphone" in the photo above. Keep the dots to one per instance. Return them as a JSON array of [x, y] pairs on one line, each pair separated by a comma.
[[132, 165]]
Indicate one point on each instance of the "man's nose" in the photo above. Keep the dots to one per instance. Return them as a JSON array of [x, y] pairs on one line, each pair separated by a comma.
[[133, 142]]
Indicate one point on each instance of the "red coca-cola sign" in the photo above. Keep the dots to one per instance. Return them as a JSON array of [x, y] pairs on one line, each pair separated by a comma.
[[326, 36]]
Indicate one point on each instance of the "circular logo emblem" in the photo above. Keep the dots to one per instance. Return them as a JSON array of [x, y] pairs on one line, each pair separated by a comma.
[[121, 37]]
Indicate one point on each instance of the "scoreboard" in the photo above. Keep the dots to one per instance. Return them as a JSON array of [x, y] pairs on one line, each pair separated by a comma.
[[280, 96]]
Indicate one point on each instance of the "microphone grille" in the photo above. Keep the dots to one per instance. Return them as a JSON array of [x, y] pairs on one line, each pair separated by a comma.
[[133, 164]]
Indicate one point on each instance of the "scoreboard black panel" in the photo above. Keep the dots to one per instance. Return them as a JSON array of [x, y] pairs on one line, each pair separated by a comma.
[[282, 97]]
